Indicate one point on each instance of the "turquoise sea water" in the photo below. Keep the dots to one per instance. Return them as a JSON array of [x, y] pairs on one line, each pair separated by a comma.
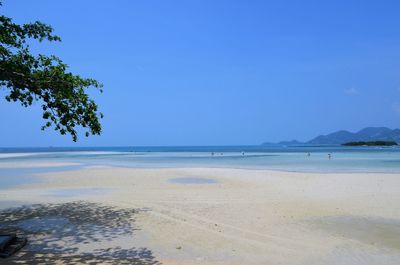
[[343, 159]]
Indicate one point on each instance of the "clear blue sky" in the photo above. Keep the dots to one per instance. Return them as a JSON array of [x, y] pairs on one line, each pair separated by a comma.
[[220, 72]]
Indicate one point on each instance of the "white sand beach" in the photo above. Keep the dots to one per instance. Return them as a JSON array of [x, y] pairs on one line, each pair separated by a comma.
[[237, 216], [199, 132]]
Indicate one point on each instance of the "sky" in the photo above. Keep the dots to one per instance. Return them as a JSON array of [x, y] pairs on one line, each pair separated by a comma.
[[218, 72]]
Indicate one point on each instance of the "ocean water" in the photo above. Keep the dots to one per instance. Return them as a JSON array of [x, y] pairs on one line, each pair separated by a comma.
[[343, 159]]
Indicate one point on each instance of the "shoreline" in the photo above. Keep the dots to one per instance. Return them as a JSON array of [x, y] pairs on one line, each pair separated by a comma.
[[62, 166]]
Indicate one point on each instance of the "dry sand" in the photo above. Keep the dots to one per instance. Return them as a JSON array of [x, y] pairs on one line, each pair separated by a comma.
[[245, 217]]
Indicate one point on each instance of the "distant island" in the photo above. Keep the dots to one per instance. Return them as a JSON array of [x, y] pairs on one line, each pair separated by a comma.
[[371, 143], [369, 134]]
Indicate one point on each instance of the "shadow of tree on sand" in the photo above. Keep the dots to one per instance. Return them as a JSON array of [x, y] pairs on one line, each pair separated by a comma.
[[71, 233]]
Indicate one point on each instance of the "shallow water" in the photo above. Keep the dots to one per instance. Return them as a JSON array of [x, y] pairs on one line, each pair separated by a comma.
[[10, 182], [13, 177], [344, 159]]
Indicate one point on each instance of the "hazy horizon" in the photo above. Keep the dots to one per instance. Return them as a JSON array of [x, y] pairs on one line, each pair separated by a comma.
[[219, 73]]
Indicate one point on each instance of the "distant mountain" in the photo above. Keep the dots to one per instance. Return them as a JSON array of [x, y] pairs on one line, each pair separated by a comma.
[[367, 134], [340, 137], [293, 142]]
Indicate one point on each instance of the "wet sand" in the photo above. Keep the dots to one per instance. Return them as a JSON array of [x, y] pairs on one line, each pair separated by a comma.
[[208, 216]]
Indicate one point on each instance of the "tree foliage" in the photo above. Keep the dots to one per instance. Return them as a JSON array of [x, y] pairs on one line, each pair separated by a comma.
[[28, 78]]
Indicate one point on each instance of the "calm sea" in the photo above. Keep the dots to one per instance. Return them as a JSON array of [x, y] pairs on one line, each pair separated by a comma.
[[300, 158]]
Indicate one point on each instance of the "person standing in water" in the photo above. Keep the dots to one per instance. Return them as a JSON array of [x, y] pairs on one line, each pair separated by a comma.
[[329, 156]]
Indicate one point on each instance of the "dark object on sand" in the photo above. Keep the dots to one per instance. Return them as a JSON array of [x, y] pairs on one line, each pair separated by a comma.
[[10, 244]]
